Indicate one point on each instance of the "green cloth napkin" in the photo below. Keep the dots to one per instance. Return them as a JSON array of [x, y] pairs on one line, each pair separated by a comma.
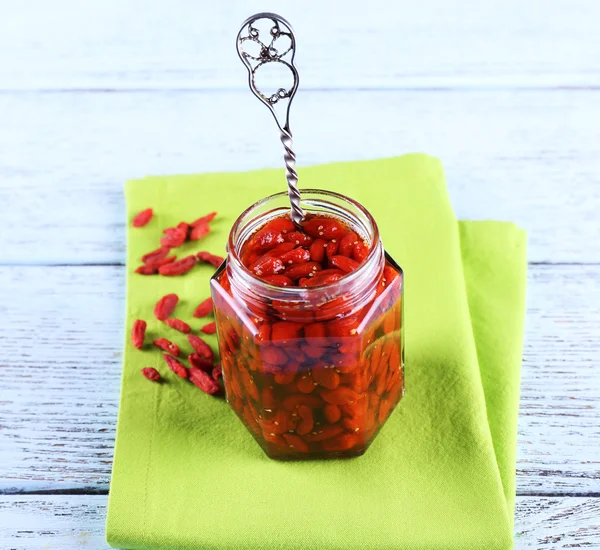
[[440, 475]]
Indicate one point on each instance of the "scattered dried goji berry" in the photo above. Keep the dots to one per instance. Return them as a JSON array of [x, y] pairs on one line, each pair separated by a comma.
[[143, 218], [147, 269], [204, 219], [200, 362], [204, 309], [210, 328], [179, 325], [165, 306], [166, 345], [217, 372], [209, 258], [174, 237], [199, 231], [201, 347], [204, 381], [157, 254], [179, 267], [138, 333], [151, 268], [176, 366], [151, 374]]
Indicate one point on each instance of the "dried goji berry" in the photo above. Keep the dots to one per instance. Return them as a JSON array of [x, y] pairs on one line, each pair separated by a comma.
[[204, 309], [203, 381], [179, 267], [208, 258], [317, 250], [326, 228], [147, 269], [278, 280], [210, 328], [138, 333], [176, 366], [151, 374], [267, 265], [201, 347], [298, 238], [199, 362], [165, 306], [166, 345], [157, 254], [344, 263], [179, 325], [204, 219], [174, 237], [217, 372], [199, 231], [144, 217]]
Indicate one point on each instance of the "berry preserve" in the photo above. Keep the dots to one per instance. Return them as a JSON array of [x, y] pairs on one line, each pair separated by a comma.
[[309, 321]]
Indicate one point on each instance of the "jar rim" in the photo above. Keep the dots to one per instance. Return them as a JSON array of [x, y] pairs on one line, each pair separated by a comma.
[[295, 291]]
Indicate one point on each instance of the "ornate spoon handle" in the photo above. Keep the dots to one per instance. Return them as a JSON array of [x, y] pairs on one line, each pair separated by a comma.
[[268, 53]]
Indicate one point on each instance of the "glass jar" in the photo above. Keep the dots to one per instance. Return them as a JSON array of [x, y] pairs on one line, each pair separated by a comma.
[[312, 372]]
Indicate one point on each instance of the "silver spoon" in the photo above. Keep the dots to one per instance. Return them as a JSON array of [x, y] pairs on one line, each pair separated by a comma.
[[269, 54]]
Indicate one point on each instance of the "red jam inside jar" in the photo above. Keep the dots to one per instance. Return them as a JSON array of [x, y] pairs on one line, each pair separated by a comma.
[[309, 321]]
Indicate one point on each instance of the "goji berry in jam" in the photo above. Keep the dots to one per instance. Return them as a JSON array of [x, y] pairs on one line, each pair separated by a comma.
[[313, 374]]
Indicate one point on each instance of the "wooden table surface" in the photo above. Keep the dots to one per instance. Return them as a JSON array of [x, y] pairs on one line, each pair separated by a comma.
[[505, 92]]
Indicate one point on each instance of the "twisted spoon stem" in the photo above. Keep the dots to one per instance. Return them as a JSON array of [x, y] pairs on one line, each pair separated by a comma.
[[291, 175]]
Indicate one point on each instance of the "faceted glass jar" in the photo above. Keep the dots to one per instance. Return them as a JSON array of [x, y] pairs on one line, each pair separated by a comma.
[[311, 372]]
